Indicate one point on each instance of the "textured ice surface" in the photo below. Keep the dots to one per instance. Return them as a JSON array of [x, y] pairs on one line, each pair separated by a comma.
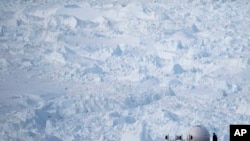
[[78, 70]]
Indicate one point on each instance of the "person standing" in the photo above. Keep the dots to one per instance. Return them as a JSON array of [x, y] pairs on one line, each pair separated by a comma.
[[214, 137]]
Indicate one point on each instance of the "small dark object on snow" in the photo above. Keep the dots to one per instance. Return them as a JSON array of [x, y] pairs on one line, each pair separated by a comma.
[[166, 137], [178, 138], [214, 137]]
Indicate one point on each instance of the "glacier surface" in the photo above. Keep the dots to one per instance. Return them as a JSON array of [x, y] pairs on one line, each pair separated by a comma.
[[78, 70]]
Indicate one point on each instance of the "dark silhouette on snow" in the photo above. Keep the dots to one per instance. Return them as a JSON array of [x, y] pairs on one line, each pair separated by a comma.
[[166, 137], [196, 133], [214, 137], [178, 138]]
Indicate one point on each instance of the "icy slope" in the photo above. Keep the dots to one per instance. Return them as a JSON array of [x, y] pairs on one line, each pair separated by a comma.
[[122, 70]]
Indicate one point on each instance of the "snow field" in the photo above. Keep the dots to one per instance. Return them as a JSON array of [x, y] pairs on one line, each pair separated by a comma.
[[122, 70]]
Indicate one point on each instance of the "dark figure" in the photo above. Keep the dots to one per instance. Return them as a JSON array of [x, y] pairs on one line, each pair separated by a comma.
[[178, 138], [166, 137], [214, 137], [190, 137]]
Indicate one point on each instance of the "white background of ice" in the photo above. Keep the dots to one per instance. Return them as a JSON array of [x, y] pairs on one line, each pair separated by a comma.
[[78, 70]]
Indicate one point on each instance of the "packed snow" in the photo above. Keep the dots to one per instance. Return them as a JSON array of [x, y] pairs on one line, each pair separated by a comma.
[[122, 70]]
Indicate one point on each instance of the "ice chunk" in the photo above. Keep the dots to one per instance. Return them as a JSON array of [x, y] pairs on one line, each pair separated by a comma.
[[177, 69], [117, 51], [56, 57], [244, 109], [142, 134]]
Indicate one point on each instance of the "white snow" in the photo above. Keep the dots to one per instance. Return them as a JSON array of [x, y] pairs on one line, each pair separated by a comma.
[[127, 70]]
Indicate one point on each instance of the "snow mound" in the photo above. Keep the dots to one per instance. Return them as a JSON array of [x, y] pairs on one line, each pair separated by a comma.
[[243, 109], [141, 134]]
